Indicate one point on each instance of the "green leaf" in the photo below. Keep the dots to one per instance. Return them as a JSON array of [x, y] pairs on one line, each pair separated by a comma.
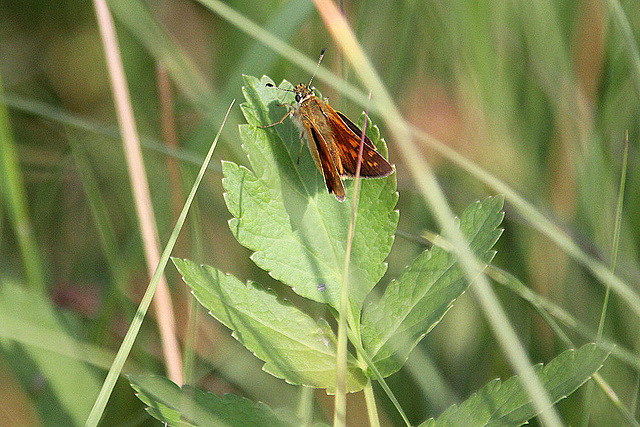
[[188, 406], [415, 302], [294, 346], [283, 212], [507, 403]]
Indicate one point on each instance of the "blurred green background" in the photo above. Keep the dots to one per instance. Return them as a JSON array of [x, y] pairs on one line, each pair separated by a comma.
[[538, 93]]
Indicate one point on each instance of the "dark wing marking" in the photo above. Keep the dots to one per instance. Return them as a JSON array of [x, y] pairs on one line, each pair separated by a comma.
[[347, 137]]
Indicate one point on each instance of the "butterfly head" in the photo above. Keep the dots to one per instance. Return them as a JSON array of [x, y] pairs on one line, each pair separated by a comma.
[[302, 92]]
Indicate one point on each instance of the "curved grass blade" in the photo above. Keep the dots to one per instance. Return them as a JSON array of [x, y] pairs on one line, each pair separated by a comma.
[[129, 339]]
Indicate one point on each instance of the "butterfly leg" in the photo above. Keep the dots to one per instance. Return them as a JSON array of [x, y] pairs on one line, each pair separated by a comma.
[[276, 123]]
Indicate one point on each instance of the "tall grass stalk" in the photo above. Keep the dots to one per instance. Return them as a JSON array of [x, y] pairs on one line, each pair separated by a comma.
[[432, 193], [140, 187]]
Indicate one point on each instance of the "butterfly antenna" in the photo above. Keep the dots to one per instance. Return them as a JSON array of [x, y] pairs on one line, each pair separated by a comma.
[[279, 88], [317, 66]]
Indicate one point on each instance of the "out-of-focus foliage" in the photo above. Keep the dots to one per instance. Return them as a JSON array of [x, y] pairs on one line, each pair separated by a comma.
[[539, 93]]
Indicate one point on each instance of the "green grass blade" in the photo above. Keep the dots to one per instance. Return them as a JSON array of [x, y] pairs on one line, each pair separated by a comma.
[[624, 27], [106, 235], [134, 328], [378, 377], [614, 257], [540, 222], [549, 310], [13, 194], [616, 233], [55, 114]]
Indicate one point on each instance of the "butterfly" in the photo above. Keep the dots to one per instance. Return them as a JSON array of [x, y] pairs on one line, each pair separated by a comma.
[[333, 140]]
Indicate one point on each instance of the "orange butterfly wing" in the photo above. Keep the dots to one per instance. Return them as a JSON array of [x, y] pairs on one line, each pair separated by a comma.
[[347, 137]]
